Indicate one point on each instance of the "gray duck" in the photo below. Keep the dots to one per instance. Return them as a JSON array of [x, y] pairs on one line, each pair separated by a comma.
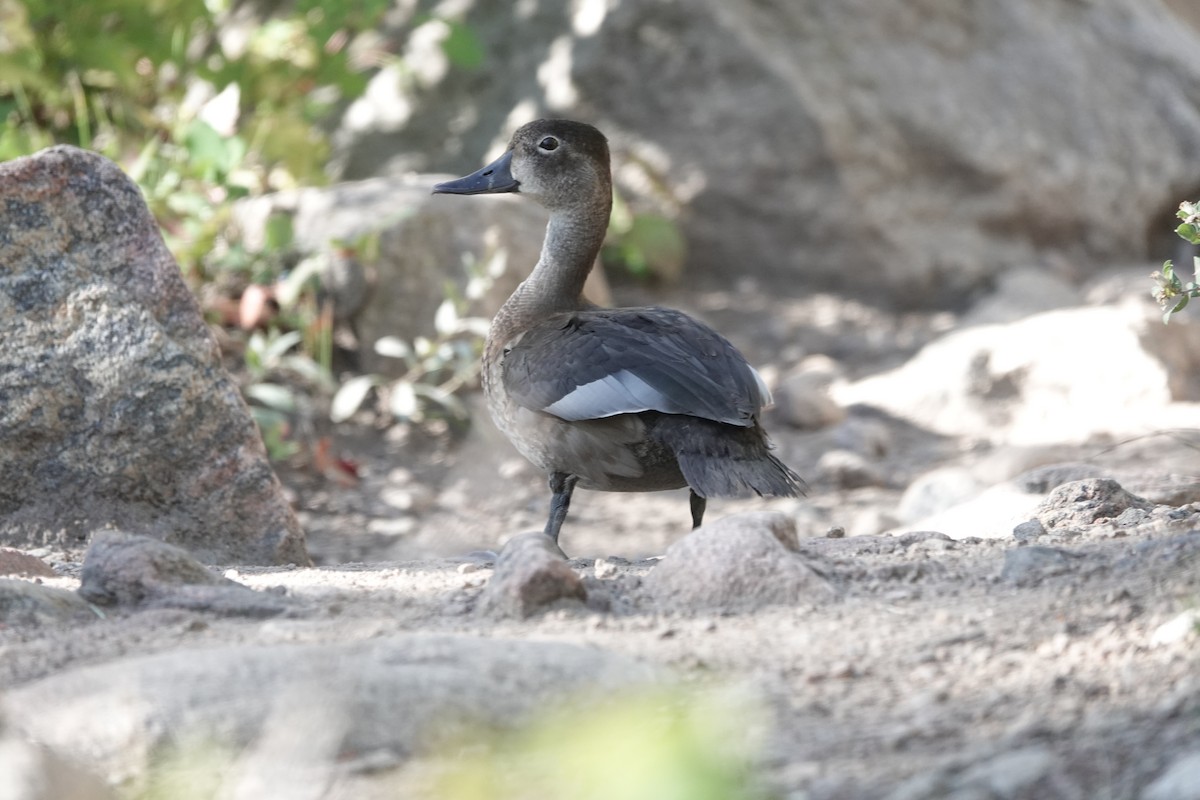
[[611, 399]]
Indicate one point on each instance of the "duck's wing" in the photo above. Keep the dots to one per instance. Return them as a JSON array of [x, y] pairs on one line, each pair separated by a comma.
[[595, 364]]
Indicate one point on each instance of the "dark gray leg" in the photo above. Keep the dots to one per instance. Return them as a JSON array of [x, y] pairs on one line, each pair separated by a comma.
[[561, 486], [698, 503]]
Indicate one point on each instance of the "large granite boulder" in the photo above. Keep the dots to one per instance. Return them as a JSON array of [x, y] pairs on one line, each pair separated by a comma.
[[908, 152], [114, 407]]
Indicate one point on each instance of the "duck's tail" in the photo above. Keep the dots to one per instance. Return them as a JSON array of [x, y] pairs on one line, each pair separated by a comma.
[[722, 460]]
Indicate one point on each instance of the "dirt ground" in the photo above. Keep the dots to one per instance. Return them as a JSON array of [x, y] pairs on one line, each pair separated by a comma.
[[972, 668]]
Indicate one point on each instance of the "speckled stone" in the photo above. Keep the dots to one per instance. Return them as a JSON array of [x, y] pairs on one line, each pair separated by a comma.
[[114, 407]]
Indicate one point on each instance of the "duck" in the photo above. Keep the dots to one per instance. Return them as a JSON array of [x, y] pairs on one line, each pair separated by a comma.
[[611, 399]]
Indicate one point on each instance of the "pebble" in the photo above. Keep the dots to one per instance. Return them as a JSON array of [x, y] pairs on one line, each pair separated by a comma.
[[1029, 530], [604, 569]]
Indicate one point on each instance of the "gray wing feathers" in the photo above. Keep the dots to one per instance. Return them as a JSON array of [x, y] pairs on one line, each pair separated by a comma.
[[597, 364]]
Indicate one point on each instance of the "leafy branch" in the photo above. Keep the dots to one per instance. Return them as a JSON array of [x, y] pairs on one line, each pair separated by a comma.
[[1171, 292]]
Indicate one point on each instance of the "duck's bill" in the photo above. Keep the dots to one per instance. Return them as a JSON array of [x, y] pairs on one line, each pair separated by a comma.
[[495, 178]]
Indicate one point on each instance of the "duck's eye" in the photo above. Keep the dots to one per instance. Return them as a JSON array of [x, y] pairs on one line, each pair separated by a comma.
[[548, 144]]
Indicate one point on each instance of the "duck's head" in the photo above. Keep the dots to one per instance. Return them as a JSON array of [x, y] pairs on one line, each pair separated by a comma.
[[557, 162]]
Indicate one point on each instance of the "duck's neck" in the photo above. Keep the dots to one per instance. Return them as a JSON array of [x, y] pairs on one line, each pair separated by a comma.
[[573, 240]]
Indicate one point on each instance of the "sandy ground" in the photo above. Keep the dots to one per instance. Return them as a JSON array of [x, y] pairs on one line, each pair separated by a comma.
[[939, 667]]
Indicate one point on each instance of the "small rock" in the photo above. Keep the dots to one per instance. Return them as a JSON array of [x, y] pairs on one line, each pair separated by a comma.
[[25, 603], [1132, 517], [1180, 781], [604, 569], [1029, 530], [1033, 563], [14, 562], [739, 563], [848, 470], [802, 400], [531, 573], [1079, 504], [866, 435], [125, 569]]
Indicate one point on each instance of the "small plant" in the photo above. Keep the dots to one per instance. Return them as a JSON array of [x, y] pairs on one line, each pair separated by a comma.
[[663, 744], [1171, 292], [437, 367], [646, 246]]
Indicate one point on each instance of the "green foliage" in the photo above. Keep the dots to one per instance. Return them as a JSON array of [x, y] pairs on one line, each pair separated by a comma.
[[658, 745], [643, 245], [436, 367], [201, 110], [1171, 292]]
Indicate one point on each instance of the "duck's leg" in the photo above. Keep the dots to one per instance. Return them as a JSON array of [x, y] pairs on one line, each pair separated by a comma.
[[698, 504], [561, 486]]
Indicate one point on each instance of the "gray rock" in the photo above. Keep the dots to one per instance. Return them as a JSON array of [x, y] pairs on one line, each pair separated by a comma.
[[422, 242], [1029, 530], [1005, 384], [928, 147], [1008, 776], [116, 407], [802, 400], [25, 603], [1031, 564], [128, 570], [1079, 504], [311, 706], [531, 573], [845, 469], [739, 563], [1180, 780]]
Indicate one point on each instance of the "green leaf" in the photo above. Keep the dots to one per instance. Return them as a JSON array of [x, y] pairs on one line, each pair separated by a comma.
[[404, 403], [279, 345], [272, 395], [462, 47], [279, 233], [350, 397], [392, 347], [445, 319]]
